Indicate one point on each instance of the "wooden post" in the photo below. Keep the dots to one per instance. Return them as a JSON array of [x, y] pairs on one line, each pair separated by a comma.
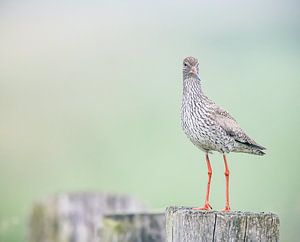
[[137, 227], [188, 225], [75, 217]]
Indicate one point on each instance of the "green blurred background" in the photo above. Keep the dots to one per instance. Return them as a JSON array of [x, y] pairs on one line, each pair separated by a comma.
[[90, 95]]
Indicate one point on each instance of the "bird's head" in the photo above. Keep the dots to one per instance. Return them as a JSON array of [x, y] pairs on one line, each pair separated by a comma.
[[190, 68]]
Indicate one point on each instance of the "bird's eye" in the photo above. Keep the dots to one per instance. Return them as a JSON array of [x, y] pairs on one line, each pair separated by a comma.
[[185, 64]]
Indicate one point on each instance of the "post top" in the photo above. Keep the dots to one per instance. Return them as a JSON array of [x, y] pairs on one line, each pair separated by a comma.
[[189, 210], [185, 224]]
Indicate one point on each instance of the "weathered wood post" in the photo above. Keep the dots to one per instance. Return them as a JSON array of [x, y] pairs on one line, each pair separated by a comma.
[[75, 217], [188, 225], [136, 227]]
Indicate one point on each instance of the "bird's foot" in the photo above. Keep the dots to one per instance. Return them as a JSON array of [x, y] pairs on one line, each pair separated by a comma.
[[226, 209], [205, 207]]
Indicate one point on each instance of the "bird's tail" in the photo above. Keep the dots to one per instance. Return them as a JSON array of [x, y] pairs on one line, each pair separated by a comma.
[[250, 149], [258, 152]]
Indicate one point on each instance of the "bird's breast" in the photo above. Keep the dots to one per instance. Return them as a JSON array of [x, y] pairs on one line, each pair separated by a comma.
[[198, 125], [193, 120]]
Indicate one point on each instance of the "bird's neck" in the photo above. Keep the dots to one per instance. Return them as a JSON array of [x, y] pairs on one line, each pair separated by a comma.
[[192, 86]]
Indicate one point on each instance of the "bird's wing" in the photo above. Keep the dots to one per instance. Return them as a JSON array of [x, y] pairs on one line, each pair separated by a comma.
[[231, 127]]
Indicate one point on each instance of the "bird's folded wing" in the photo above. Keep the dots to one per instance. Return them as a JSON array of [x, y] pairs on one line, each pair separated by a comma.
[[231, 127]]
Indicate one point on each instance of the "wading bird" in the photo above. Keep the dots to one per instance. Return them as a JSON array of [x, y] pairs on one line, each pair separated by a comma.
[[210, 127]]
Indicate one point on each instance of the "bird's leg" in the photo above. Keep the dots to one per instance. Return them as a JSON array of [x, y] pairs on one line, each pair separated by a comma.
[[209, 172], [227, 207]]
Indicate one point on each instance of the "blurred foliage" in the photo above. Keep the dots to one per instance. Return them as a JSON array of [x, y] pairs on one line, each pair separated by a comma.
[[90, 95]]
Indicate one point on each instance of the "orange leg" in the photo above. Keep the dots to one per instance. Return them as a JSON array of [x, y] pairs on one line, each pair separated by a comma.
[[227, 207], [209, 171]]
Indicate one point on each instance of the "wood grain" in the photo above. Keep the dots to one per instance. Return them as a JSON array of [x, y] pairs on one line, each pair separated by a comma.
[[188, 225]]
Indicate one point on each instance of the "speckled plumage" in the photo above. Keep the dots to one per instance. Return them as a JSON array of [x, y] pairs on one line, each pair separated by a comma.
[[208, 126]]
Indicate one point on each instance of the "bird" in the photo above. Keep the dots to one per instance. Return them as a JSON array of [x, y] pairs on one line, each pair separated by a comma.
[[211, 128]]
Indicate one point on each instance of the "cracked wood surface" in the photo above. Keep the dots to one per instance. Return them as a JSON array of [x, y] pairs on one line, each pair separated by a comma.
[[188, 225]]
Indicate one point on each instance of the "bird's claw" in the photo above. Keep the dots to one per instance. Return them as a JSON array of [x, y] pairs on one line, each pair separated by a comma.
[[206, 206], [226, 209]]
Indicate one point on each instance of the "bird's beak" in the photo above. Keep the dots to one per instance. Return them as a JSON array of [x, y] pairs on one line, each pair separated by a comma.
[[193, 70]]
